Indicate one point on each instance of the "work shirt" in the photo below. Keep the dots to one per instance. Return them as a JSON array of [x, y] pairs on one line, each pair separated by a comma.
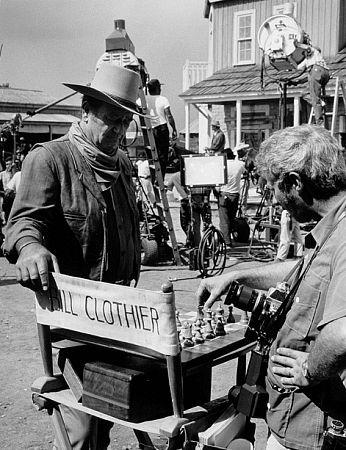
[[156, 105], [295, 420], [14, 182], [5, 177], [235, 170], [315, 57], [143, 168]]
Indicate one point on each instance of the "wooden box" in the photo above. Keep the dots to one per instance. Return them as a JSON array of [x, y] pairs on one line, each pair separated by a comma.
[[140, 392]]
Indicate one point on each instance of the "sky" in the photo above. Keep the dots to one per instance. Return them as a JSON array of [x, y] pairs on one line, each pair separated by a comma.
[[48, 42]]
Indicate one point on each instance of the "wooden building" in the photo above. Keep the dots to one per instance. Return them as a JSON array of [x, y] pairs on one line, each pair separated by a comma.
[[243, 94], [42, 126]]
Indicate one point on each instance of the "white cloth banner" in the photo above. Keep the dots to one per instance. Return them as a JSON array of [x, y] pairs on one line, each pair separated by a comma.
[[125, 314]]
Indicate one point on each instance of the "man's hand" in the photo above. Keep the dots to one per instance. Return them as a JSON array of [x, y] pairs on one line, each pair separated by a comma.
[[210, 289], [32, 267], [290, 367], [174, 135]]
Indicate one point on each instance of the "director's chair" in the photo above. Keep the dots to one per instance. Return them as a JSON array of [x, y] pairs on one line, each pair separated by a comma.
[[79, 311]]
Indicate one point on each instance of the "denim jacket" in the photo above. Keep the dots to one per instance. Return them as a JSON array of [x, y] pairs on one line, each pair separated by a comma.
[[69, 214]]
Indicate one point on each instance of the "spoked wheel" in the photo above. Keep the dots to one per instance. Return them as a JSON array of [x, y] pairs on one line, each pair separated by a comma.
[[211, 256]]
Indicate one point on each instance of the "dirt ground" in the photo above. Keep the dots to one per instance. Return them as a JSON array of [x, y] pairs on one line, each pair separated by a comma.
[[21, 425]]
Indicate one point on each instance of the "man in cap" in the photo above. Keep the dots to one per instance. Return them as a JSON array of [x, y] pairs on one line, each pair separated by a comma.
[[160, 110], [218, 140], [75, 211]]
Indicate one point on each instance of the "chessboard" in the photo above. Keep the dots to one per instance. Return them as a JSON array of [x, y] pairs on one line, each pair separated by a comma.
[[201, 346]]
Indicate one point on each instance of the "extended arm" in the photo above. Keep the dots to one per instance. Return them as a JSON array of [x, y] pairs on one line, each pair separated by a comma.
[[32, 215], [170, 119], [255, 277]]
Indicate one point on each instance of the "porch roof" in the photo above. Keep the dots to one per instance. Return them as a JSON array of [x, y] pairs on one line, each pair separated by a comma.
[[244, 82]]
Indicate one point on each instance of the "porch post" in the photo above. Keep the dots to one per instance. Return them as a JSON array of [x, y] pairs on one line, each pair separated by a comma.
[[296, 111], [238, 121], [187, 126]]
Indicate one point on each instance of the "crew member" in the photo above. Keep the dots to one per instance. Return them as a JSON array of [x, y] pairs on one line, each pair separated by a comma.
[[75, 210], [318, 77], [228, 194], [5, 177], [289, 234], [218, 140], [195, 200], [144, 175], [160, 110], [307, 171]]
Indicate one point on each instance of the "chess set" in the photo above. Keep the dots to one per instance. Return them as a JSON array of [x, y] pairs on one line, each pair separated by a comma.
[[196, 328]]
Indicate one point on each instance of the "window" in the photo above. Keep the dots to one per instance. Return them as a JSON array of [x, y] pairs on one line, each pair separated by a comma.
[[244, 37]]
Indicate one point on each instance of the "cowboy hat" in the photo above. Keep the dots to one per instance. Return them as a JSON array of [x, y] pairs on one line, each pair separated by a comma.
[[114, 85], [241, 146], [241, 149], [215, 123]]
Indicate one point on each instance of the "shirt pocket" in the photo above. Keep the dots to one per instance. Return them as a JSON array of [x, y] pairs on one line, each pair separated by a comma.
[[301, 317], [75, 221]]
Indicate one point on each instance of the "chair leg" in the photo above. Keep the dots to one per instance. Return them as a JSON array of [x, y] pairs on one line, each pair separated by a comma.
[[61, 435], [143, 439]]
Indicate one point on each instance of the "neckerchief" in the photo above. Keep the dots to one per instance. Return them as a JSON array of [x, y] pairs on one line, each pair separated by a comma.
[[105, 167]]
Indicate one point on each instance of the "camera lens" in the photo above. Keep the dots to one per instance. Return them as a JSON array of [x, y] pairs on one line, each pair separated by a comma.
[[242, 297]]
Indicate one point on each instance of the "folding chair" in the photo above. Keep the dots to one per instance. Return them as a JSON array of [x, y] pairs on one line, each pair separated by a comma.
[[130, 320]]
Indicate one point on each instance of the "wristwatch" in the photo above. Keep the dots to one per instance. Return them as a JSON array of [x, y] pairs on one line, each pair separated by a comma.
[[306, 372]]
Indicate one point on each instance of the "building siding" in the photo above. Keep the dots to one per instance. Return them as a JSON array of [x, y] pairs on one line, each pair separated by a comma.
[[323, 20]]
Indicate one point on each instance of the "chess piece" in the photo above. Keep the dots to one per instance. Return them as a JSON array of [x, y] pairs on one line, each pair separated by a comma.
[[208, 329], [219, 328], [187, 335], [220, 313], [198, 338], [230, 317]]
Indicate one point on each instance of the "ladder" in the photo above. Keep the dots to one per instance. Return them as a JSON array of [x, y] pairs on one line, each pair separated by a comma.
[[339, 86], [149, 143]]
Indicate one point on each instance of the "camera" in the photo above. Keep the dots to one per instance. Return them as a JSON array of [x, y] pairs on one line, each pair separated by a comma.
[[264, 308]]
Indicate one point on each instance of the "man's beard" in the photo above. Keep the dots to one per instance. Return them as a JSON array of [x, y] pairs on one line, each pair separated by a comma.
[[298, 208]]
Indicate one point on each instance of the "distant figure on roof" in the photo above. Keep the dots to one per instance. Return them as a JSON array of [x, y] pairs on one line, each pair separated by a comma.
[[159, 108], [318, 76]]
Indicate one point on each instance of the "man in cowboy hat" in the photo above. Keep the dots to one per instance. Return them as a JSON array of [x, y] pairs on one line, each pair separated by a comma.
[[75, 211], [160, 110], [218, 140]]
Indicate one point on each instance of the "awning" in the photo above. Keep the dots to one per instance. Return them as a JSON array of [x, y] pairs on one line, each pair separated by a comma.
[[42, 123]]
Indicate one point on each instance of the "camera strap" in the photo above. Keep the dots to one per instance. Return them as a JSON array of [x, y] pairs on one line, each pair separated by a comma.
[[297, 283]]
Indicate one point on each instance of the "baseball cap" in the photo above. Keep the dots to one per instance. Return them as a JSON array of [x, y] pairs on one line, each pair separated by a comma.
[[154, 82]]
